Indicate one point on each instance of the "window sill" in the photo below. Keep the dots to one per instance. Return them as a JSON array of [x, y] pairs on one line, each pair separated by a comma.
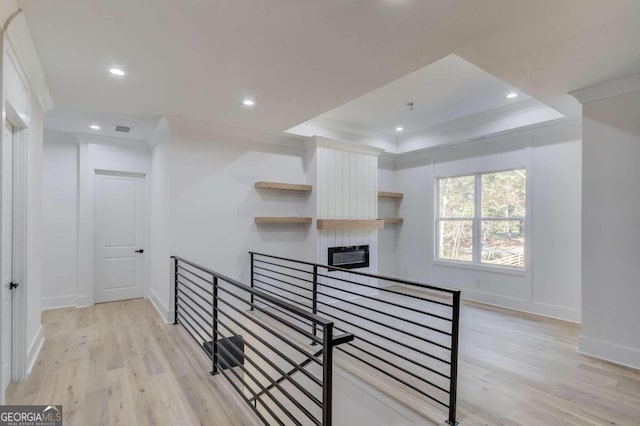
[[481, 267]]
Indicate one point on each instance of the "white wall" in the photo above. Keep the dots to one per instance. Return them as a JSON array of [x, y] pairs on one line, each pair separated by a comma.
[[70, 164], [60, 218], [209, 209], [388, 236], [346, 187], [24, 97], [34, 231], [610, 229], [551, 283]]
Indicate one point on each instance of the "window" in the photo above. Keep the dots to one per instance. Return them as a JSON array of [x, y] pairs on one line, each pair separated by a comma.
[[481, 218]]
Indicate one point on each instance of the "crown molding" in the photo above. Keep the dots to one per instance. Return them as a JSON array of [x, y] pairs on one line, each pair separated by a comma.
[[320, 141], [607, 89], [546, 133], [23, 52]]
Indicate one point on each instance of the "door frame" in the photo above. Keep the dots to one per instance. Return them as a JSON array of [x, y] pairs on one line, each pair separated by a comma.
[[103, 155], [19, 222], [96, 260]]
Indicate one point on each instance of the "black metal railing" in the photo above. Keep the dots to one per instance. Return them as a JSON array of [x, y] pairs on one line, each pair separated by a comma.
[[261, 344], [404, 331]]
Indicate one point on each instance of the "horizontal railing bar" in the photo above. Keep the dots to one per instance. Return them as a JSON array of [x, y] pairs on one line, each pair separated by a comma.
[[404, 370], [287, 375], [182, 268], [396, 378], [208, 311], [351, 302], [274, 293], [193, 331], [412, 296], [341, 339], [415, 336], [278, 369], [276, 350], [285, 313], [186, 305], [386, 338], [414, 362], [281, 288], [315, 318], [387, 302], [274, 333], [364, 274], [242, 394], [263, 389], [275, 317], [247, 387], [282, 281], [206, 333], [209, 292], [279, 265], [194, 339]]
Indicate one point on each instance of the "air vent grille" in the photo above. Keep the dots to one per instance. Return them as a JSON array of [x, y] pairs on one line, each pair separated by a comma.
[[123, 129]]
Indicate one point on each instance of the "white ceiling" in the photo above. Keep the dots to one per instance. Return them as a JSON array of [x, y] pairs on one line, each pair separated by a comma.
[[447, 90], [58, 120], [299, 58]]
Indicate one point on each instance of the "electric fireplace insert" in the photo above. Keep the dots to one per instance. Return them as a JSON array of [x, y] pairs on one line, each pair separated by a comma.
[[349, 257]]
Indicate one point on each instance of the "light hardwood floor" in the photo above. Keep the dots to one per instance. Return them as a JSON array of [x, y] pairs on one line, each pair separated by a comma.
[[118, 363]]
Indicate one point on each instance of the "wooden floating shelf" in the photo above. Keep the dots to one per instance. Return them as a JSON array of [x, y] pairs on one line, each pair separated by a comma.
[[393, 220], [283, 186], [386, 194], [326, 224], [285, 220]]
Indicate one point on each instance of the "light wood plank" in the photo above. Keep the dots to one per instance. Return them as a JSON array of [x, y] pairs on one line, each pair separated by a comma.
[[326, 224], [387, 194], [283, 186], [393, 220], [284, 220]]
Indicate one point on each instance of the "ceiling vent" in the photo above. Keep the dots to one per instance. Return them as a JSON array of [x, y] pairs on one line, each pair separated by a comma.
[[123, 129]]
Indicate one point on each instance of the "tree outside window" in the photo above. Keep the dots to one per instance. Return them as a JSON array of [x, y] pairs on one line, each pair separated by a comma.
[[481, 218]]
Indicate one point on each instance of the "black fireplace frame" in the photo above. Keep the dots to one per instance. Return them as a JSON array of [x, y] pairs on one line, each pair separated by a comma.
[[331, 251]]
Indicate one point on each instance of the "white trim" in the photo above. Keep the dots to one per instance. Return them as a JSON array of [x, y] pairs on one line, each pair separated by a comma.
[[34, 350], [165, 313], [623, 355], [607, 89], [56, 302], [23, 50], [320, 141], [528, 306], [485, 267]]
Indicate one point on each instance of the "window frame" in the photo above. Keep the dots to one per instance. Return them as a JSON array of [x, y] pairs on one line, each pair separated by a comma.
[[477, 220]]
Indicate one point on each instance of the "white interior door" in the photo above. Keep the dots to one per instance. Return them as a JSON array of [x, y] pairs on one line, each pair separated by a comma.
[[119, 237], [7, 255]]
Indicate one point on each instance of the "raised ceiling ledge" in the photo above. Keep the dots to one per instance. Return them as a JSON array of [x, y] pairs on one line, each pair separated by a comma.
[[321, 141], [607, 89]]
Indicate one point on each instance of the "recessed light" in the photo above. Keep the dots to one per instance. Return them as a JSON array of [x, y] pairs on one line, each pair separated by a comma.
[[116, 71], [94, 127], [399, 129], [512, 95], [248, 102]]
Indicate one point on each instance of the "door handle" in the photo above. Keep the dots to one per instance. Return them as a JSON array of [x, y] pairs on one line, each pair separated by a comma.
[[13, 285], [140, 251]]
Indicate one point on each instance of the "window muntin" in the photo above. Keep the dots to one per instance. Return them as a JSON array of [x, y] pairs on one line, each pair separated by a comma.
[[481, 218]]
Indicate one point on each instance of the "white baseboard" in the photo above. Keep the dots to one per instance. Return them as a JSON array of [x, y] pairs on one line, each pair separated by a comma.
[[34, 349], [83, 301], [59, 302], [551, 311], [166, 313], [623, 355]]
